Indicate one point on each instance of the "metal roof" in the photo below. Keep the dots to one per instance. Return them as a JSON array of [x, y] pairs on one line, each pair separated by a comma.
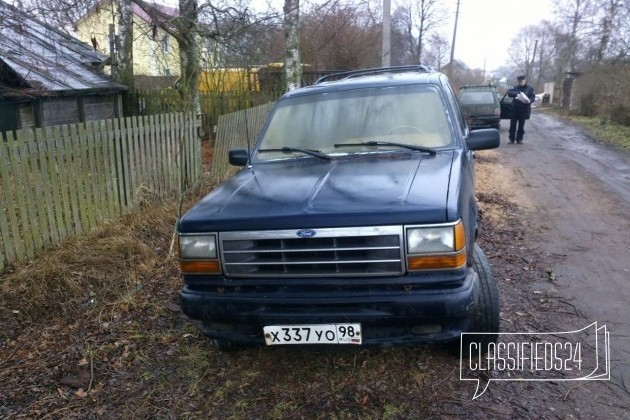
[[46, 59]]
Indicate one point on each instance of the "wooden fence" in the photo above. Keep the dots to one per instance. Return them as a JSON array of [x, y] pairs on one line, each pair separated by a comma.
[[213, 104], [60, 181], [236, 130]]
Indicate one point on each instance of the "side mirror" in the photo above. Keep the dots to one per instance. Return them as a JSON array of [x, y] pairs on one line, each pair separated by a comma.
[[488, 138], [238, 157]]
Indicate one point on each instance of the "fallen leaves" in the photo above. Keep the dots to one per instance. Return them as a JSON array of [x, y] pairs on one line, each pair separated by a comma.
[[81, 393]]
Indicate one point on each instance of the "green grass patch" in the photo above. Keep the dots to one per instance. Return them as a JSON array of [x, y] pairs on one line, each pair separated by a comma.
[[611, 133]]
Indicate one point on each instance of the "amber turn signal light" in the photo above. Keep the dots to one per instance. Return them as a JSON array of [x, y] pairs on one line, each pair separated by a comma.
[[460, 236], [437, 262], [200, 267]]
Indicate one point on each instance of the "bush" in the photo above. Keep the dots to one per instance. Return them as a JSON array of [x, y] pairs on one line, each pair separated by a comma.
[[603, 91]]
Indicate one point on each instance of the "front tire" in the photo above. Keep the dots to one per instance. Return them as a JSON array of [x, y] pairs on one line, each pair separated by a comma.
[[486, 314], [485, 317]]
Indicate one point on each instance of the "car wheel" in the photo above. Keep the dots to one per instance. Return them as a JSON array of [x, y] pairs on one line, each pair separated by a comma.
[[486, 318], [486, 313]]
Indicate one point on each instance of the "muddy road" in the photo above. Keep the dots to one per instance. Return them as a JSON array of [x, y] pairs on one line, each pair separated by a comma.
[[576, 197], [571, 195]]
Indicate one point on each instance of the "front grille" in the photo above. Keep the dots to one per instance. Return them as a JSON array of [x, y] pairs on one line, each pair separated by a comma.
[[332, 252]]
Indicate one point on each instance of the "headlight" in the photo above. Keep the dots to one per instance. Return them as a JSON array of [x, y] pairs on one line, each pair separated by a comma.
[[198, 247], [429, 240], [436, 247]]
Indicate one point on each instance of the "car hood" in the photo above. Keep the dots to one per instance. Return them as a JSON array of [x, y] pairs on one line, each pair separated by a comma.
[[356, 190]]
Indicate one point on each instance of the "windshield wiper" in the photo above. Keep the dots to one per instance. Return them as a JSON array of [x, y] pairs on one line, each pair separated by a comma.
[[311, 152], [389, 143]]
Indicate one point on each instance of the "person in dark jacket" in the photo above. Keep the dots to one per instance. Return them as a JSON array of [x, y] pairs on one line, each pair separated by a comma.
[[523, 97]]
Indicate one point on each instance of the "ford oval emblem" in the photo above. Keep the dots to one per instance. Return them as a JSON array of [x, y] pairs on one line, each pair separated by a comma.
[[306, 233]]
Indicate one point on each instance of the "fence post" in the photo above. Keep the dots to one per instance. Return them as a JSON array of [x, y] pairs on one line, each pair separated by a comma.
[[64, 180]]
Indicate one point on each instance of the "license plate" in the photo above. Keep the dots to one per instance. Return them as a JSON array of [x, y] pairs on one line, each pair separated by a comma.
[[313, 334]]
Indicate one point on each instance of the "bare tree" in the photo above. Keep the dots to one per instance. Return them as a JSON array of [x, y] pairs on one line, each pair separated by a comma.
[[402, 24], [430, 15], [340, 37], [437, 51], [417, 21], [543, 59], [215, 21], [62, 14], [292, 64], [125, 48], [523, 49], [618, 44], [612, 32], [575, 20]]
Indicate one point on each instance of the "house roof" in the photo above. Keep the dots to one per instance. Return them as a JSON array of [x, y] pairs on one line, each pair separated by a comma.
[[169, 11], [98, 7], [45, 60]]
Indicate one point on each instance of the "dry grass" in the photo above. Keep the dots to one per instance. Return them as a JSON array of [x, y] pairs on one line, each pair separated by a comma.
[[99, 267], [132, 353]]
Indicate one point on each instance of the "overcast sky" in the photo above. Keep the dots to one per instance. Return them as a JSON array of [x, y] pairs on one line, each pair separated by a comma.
[[486, 27]]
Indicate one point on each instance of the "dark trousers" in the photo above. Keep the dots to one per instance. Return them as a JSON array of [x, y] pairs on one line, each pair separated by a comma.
[[518, 118]]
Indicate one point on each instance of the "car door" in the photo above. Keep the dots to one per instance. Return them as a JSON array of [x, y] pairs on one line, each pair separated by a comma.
[[506, 107]]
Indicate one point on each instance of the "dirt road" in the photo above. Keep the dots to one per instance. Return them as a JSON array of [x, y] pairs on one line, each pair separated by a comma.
[[554, 214], [573, 200]]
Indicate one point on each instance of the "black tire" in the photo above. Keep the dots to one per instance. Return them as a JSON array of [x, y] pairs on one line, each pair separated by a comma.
[[486, 314]]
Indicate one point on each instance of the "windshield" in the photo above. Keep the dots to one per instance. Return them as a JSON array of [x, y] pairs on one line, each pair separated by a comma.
[[477, 98], [413, 115]]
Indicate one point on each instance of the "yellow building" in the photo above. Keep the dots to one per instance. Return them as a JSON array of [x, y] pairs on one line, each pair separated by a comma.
[[155, 53], [229, 80]]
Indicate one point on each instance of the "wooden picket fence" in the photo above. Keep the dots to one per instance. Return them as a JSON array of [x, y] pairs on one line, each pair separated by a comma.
[[56, 182], [236, 130]]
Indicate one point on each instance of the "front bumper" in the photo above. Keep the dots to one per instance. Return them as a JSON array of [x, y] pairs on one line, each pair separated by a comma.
[[403, 314]]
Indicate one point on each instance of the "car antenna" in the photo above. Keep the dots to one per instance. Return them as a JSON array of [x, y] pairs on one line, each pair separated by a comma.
[[249, 148]]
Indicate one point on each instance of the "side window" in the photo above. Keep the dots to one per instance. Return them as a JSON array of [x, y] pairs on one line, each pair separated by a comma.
[[459, 117]]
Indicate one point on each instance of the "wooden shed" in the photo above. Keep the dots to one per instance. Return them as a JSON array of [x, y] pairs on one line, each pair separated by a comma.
[[48, 77]]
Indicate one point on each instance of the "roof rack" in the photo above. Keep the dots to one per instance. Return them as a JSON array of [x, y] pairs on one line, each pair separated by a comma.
[[381, 70], [478, 86]]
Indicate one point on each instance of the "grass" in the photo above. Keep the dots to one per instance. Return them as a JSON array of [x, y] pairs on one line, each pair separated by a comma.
[[103, 266], [611, 133], [102, 309]]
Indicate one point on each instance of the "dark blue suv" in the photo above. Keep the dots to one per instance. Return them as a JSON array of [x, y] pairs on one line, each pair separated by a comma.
[[353, 221]]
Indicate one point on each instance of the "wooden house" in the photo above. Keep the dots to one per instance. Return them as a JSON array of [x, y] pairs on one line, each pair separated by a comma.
[[48, 77], [155, 52]]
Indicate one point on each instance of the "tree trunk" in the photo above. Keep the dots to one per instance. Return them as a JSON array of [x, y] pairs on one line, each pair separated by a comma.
[[606, 25], [189, 56], [292, 65], [125, 52]]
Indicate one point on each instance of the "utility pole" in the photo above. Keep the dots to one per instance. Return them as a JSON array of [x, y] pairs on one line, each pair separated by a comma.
[[450, 64], [387, 34]]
